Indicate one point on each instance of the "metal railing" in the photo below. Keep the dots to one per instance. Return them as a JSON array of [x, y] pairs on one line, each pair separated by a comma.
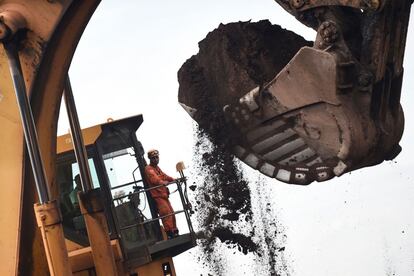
[[184, 201], [126, 184]]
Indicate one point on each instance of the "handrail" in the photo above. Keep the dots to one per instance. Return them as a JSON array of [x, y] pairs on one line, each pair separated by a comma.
[[126, 184], [151, 220], [176, 181], [183, 198]]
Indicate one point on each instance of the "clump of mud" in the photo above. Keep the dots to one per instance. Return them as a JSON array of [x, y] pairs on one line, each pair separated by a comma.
[[233, 59]]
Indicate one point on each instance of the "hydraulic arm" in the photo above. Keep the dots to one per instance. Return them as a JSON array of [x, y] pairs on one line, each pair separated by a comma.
[[42, 36]]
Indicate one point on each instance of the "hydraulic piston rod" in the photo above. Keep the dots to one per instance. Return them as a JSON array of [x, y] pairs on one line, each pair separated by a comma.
[[26, 116], [47, 211], [77, 139], [90, 199]]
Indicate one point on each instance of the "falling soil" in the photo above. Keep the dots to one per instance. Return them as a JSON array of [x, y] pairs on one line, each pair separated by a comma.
[[270, 231], [225, 213], [233, 59]]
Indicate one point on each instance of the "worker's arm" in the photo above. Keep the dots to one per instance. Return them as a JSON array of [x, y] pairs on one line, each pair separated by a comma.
[[169, 178], [153, 178]]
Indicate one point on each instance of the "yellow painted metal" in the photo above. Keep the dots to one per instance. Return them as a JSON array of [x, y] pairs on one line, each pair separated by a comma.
[[11, 135], [155, 268], [49, 221], [95, 220], [82, 273], [53, 31], [90, 135], [81, 259], [54, 28], [11, 168], [72, 246]]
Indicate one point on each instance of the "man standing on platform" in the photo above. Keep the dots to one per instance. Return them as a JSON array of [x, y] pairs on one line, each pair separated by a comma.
[[156, 177]]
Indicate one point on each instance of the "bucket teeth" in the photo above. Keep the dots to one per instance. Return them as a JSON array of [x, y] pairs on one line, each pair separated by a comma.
[[252, 160], [340, 168], [249, 99], [318, 111], [283, 175], [190, 110], [268, 169], [273, 146]]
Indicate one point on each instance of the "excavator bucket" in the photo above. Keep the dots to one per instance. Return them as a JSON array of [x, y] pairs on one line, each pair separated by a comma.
[[331, 109]]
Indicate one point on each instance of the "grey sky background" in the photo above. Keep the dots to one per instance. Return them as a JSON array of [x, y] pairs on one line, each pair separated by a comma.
[[127, 63]]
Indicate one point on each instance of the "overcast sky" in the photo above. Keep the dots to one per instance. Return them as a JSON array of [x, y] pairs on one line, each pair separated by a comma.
[[126, 63]]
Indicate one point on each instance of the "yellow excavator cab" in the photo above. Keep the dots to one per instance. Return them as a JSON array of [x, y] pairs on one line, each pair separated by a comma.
[[117, 163]]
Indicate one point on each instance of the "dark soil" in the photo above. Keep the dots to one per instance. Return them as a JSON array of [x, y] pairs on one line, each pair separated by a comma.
[[223, 203], [270, 231], [225, 214], [233, 59]]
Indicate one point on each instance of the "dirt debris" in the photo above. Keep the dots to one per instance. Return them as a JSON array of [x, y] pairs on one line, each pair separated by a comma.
[[270, 232], [223, 206], [233, 59], [235, 212]]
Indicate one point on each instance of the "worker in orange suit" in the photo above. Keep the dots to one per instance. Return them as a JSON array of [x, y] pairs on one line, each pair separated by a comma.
[[157, 177]]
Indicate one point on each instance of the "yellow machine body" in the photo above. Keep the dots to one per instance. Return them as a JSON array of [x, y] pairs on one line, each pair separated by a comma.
[[80, 257], [90, 135]]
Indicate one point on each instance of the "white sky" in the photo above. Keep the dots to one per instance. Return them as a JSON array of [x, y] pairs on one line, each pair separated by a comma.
[[126, 64]]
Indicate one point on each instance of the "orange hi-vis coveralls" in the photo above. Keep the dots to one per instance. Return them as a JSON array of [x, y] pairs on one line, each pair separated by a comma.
[[157, 177]]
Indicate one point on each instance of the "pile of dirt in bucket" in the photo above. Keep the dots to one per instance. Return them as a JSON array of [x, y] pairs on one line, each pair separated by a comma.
[[233, 59]]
